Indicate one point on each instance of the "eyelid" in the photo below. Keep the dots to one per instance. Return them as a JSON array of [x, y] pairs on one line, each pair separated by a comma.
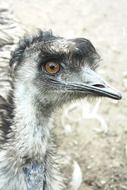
[[62, 64], [45, 59]]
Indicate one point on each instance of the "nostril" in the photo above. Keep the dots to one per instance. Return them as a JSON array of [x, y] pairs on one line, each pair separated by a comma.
[[99, 85]]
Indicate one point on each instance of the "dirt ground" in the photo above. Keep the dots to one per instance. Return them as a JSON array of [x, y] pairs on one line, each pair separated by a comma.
[[92, 136]]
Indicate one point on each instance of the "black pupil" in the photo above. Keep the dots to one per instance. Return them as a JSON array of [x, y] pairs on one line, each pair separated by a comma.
[[52, 66]]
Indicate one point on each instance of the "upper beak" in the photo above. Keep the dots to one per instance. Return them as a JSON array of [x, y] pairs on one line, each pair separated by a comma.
[[95, 85]]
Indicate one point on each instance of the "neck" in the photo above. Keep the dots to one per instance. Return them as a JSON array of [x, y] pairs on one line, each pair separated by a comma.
[[30, 157], [32, 125]]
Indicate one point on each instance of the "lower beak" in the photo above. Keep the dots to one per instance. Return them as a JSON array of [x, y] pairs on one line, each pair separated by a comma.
[[94, 85]]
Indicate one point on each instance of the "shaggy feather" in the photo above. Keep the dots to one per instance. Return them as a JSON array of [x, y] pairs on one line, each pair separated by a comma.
[[28, 156]]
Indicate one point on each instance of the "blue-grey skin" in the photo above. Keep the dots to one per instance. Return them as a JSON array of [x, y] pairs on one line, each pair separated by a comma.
[[34, 176]]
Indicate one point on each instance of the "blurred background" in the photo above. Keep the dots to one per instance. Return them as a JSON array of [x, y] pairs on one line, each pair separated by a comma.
[[92, 136]]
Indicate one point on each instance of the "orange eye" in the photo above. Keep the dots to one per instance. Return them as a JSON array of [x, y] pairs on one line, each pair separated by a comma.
[[52, 67]]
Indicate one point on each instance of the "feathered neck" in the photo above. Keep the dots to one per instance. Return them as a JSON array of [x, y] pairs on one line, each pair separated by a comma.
[[31, 125]]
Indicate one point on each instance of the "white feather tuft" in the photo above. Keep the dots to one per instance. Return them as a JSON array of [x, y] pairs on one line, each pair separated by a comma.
[[76, 176]]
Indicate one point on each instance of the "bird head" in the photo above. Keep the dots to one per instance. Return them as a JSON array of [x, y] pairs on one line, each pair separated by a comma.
[[56, 70]]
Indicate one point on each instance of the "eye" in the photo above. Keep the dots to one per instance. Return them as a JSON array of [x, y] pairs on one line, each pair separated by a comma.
[[52, 67]]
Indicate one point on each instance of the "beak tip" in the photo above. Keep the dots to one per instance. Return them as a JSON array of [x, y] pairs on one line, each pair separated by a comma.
[[119, 97]]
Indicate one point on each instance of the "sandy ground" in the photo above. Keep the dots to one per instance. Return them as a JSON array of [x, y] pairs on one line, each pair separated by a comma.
[[94, 144]]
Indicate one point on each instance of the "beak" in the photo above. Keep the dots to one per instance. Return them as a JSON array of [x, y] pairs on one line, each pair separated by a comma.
[[94, 85]]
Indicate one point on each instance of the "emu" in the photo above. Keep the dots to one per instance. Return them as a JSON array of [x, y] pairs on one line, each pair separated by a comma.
[[47, 71]]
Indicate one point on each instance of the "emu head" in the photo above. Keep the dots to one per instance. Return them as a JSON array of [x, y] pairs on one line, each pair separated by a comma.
[[54, 70]]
